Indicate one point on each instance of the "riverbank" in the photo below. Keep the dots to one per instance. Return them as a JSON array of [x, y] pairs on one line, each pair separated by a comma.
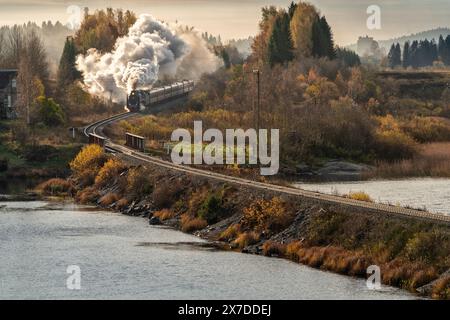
[[122, 257], [411, 253]]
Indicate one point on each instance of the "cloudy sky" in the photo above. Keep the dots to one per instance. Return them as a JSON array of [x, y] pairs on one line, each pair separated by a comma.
[[239, 18]]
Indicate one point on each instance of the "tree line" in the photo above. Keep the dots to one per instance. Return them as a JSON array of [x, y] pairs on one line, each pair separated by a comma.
[[419, 54], [293, 33]]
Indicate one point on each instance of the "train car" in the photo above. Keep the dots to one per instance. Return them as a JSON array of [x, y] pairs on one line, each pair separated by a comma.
[[142, 99]]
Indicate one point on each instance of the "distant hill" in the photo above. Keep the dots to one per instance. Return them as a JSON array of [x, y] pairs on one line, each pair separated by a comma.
[[429, 34]]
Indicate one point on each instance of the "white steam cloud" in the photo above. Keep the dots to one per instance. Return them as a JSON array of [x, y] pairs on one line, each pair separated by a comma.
[[151, 50]]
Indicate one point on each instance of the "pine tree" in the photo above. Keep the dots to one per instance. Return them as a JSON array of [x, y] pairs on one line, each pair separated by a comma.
[[67, 72], [414, 54], [398, 55], [395, 56], [280, 43], [292, 9], [406, 55], [446, 57], [328, 46], [322, 38]]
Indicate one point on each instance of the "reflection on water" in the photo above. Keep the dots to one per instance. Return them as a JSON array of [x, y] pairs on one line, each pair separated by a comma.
[[123, 257], [430, 194]]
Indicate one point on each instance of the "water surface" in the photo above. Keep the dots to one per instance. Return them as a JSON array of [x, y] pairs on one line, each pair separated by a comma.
[[123, 257], [429, 193]]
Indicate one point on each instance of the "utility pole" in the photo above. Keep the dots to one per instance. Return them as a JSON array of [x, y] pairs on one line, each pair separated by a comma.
[[258, 100]]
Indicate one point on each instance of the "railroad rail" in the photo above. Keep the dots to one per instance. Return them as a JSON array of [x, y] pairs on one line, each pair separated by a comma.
[[96, 128]]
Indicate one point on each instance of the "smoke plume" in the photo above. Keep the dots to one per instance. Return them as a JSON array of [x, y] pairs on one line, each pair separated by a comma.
[[151, 50]]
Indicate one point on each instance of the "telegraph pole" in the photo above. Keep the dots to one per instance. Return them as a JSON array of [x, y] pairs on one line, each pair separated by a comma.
[[258, 99]]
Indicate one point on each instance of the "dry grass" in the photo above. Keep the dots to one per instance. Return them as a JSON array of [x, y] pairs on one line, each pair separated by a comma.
[[407, 275], [272, 248], [54, 187], [230, 233], [109, 198], [441, 290], [122, 203], [360, 196], [331, 258], [88, 195], [109, 172], [190, 224], [246, 239], [164, 214], [431, 160]]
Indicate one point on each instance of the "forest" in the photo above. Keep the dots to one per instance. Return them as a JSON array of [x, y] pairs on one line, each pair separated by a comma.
[[325, 103]]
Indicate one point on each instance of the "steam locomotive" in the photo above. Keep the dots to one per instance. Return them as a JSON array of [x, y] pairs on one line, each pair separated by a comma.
[[141, 99]]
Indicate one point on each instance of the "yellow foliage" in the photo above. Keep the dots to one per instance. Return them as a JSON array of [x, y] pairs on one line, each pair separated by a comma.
[[87, 163], [360, 196], [264, 215], [110, 170]]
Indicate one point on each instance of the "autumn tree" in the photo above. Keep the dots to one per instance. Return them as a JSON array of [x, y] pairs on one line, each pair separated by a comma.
[[101, 29], [301, 26]]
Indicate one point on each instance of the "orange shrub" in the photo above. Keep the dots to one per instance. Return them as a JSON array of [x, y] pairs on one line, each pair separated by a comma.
[[109, 199], [272, 248], [189, 224], [246, 239], [88, 195], [164, 214], [230, 233], [56, 187], [441, 289]]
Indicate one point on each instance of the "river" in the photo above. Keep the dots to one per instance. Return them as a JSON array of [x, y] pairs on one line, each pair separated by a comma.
[[426, 193], [121, 257]]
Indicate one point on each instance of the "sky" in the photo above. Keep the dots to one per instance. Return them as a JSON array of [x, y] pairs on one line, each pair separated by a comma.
[[239, 18]]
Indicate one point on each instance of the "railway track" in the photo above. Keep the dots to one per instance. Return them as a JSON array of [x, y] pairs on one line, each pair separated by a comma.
[[96, 128]]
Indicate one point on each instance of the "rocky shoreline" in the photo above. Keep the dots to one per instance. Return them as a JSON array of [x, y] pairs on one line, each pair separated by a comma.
[[410, 252]]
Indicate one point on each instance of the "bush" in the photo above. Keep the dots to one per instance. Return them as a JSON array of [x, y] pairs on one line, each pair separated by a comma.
[[109, 198], [50, 112], [272, 248], [39, 153], [88, 163], [246, 239], [428, 247], [55, 187], [360, 196], [190, 224], [426, 129], [268, 216], [441, 289], [87, 196], [109, 172], [166, 194], [211, 208], [164, 214], [391, 142], [230, 233], [139, 183]]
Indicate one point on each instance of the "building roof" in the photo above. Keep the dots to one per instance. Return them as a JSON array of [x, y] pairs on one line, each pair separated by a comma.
[[5, 76]]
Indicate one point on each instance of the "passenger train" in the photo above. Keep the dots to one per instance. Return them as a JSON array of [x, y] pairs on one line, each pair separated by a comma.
[[142, 99]]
